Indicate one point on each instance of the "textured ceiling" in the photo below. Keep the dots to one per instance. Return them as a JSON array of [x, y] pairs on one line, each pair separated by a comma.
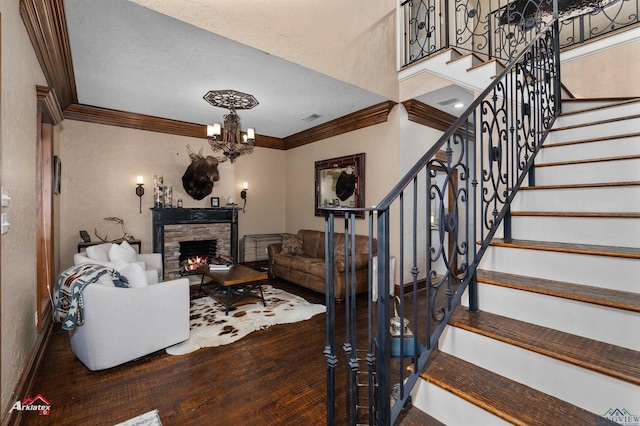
[[129, 58]]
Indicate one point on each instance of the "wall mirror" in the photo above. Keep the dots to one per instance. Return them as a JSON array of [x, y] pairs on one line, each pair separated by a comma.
[[340, 183]]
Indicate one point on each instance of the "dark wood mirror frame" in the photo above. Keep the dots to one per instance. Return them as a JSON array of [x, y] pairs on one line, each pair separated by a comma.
[[340, 183]]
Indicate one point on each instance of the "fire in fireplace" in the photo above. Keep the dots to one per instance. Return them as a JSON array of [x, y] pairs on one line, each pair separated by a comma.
[[196, 253]]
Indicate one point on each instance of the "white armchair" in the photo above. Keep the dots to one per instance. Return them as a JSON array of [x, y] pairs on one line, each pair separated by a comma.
[[123, 324]]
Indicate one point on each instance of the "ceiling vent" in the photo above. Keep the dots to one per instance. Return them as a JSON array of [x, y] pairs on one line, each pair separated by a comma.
[[449, 101], [311, 117]]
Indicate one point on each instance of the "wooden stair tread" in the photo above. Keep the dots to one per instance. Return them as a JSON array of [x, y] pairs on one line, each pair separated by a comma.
[[580, 214], [580, 185], [595, 123], [588, 249], [413, 416], [507, 399], [598, 107], [598, 139], [589, 160], [596, 295], [604, 358]]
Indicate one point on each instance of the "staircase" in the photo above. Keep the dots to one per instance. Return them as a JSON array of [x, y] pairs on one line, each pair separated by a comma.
[[557, 338]]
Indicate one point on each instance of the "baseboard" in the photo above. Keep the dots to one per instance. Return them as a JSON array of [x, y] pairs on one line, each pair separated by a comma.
[[23, 387]]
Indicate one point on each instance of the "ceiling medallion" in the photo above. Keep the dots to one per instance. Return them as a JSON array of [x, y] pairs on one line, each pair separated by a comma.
[[227, 137]]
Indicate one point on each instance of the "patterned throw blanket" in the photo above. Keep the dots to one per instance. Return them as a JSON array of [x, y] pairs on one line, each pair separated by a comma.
[[67, 293]]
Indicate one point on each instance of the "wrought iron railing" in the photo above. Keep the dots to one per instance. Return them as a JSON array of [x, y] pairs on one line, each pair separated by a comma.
[[436, 222], [612, 17], [501, 28]]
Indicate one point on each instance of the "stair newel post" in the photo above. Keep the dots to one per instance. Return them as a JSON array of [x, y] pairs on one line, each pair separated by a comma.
[[330, 301], [383, 351]]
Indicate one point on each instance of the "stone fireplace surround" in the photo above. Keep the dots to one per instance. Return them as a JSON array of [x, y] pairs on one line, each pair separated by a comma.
[[170, 226]]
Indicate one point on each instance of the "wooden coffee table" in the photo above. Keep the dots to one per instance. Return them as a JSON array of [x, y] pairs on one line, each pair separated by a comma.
[[238, 281]]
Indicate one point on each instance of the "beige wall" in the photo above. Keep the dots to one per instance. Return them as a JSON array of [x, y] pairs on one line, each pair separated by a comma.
[[100, 164], [353, 41], [609, 73], [20, 75], [379, 143]]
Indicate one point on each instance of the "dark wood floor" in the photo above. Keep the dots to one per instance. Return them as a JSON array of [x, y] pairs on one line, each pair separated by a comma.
[[271, 377]]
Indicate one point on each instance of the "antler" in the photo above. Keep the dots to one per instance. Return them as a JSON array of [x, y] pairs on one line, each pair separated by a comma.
[[192, 154], [104, 240]]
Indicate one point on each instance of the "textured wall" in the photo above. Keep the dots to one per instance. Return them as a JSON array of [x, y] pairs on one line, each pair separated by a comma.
[[20, 75], [99, 168]]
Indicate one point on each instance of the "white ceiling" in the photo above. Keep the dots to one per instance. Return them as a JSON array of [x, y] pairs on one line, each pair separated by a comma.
[[129, 58]]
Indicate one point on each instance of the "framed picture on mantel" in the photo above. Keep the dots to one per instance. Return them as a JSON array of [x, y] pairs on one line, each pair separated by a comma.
[[215, 202]]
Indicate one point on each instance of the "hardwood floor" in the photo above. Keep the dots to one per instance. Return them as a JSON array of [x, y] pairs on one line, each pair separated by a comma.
[[271, 377]]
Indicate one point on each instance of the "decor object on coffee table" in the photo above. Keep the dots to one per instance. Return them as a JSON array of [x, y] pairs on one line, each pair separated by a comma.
[[300, 259], [211, 327]]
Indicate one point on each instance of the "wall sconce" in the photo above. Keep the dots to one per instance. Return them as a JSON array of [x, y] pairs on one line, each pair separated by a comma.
[[140, 190], [243, 194]]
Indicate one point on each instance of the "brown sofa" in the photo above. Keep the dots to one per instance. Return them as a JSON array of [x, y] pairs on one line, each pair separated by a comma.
[[308, 268]]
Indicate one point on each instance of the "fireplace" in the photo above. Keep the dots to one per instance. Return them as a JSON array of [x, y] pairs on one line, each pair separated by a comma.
[[196, 253], [173, 226]]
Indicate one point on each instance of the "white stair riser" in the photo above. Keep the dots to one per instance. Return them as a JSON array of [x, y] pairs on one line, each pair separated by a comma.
[[449, 408], [597, 392], [599, 114], [595, 131], [599, 149], [600, 271], [609, 325], [578, 230], [580, 105], [605, 171], [617, 199]]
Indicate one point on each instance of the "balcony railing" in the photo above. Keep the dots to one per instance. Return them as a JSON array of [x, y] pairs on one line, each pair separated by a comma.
[[501, 28], [436, 222]]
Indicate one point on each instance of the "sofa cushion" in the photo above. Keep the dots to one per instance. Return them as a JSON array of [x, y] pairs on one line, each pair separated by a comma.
[[133, 272], [292, 244], [123, 252], [99, 252]]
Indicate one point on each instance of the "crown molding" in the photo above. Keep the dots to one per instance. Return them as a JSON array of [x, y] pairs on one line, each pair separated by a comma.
[[131, 120], [365, 117], [46, 25], [429, 116], [357, 120], [49, 105]]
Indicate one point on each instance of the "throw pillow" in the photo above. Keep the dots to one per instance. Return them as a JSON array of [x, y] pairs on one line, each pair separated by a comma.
[[133, 273], [292, 244], [99, 252], [339, 252], [123, 251]]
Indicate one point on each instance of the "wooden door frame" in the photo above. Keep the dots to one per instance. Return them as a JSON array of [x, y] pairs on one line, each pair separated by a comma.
[[49, 114]]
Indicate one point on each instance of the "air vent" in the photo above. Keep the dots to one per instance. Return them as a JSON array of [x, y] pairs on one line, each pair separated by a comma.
[[449, 101], [311, 117]]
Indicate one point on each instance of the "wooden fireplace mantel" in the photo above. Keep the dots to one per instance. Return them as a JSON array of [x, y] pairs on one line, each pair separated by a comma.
[[175, 216]]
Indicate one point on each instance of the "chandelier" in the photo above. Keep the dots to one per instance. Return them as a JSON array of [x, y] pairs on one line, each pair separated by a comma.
[[227, 137]]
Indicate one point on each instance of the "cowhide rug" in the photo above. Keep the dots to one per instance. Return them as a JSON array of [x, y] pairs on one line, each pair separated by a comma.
[[211, 327]]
